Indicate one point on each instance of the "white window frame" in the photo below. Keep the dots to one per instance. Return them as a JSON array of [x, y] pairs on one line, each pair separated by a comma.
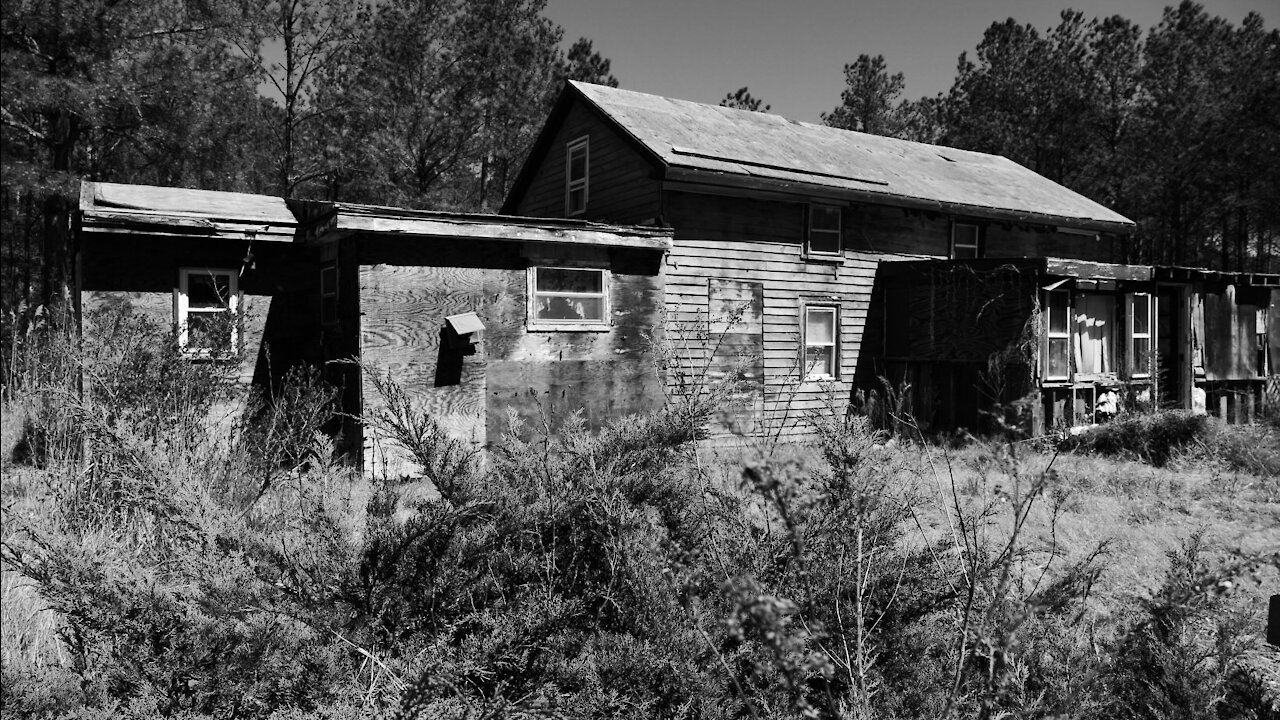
[[182, 309], [535, 323], [806, 342], [1133, 334], [1065, 334], [838, 232], [327, 266], [572, 184], [1261, 323], [976, 245]]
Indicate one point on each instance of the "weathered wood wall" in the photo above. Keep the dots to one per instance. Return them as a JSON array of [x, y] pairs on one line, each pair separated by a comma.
[[408, 286], [622, 185], [890, 230], [722, 240], [140, 273]]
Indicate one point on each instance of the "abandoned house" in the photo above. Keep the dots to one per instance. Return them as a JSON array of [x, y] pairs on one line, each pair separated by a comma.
[[473, 315], [811, 264], [834, 261]]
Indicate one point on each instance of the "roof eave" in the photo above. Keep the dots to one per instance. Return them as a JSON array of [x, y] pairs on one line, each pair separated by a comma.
[[686, 174]]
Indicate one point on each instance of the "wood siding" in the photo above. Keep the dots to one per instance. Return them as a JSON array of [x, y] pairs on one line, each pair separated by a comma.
[[408, 286], [622, 185], [140, 274], [891, 230], [743, 240]]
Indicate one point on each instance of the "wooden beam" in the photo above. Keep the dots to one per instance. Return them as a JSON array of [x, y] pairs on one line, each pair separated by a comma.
[[505, 229], [1099, 271]]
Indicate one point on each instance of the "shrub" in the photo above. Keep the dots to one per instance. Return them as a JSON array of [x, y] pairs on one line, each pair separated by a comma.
[[1151, 437]]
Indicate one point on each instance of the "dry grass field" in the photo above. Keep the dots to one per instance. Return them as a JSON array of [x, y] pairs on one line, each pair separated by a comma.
[[153, 569]]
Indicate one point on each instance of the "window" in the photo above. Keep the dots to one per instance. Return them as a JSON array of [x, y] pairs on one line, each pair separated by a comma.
[[1260, 328], [205, 311], [964, 241], [1058, 339], [1095, 333], [821, 355], [575, 175], [329, 292], [568, 298], [1141, 312], [824, 230]]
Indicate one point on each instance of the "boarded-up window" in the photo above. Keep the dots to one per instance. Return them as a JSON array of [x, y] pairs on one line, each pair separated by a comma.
[[1058, 335], [821, 351], [569, 296], [824, 230], [205, 307], [576, 170], [735, 311]]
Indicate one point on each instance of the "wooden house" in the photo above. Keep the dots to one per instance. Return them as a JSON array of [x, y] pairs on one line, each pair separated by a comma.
[[1046, 342], [782, 229], [475, 316]]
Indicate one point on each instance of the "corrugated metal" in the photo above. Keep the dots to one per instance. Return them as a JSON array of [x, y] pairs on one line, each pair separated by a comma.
[[716, 139]]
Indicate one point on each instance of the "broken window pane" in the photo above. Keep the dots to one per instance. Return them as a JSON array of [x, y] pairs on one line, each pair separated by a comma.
[[570, 308], [208, 290]]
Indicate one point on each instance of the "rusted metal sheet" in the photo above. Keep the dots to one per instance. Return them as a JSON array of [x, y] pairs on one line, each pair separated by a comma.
[[695, 140]]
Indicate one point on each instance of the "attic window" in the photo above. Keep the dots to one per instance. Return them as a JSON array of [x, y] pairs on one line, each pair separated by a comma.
[[205, 305], [824, 230], [944, 157], [575, 169], [965, 241]]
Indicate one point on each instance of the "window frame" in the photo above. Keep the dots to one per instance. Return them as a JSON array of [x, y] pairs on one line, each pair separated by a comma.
[[534, 323], [1050, 335], [327, 307], [805, 344], [182, 310], [1132, 335], [810, 231], [977, 240], [583, 183]]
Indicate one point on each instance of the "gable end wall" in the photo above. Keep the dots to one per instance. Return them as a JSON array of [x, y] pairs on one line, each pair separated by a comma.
[[622, 183]]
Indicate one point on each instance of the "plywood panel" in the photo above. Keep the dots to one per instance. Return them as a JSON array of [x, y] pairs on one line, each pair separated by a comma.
[[403, 311]]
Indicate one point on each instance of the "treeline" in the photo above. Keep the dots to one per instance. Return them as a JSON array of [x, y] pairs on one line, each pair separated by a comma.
[[1177, 128], [433, 103], [419, 103]]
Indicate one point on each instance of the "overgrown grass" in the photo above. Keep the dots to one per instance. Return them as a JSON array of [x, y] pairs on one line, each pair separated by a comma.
[[166, 566], [1165, 436]]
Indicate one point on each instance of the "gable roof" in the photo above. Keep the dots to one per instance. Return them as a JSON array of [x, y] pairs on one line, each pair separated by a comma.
[[725, 146]]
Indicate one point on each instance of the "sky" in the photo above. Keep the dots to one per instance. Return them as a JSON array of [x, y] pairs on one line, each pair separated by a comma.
[[792, 54]]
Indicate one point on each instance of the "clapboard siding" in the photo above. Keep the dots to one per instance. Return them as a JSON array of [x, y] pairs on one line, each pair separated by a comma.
[[622, 184], [890, 230], [742, 240]]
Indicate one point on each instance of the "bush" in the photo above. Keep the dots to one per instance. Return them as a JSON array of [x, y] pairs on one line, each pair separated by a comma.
[[1150, 437]]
